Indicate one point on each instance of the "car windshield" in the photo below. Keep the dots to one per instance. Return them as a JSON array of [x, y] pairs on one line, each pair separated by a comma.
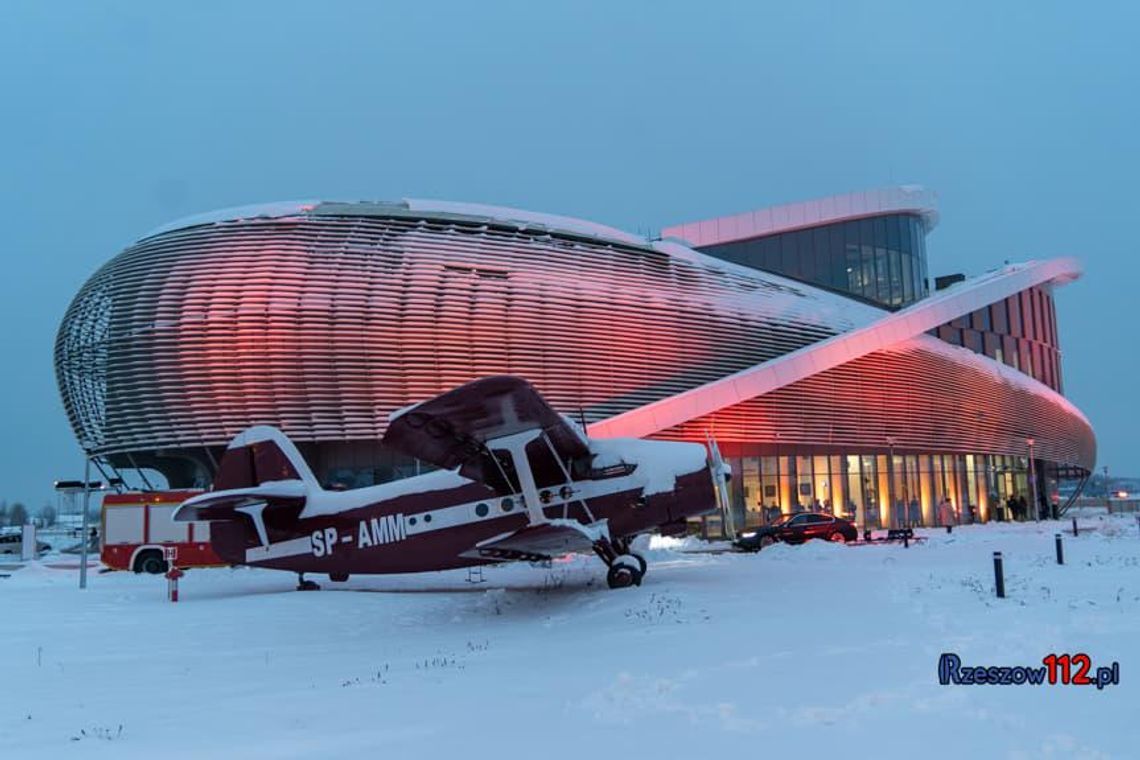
[[783, 519]]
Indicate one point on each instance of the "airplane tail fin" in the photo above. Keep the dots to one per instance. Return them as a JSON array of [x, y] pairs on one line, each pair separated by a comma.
[[261, 454], [260, 470]]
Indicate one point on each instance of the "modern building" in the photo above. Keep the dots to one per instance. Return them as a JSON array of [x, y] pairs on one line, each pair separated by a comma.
[[808, 339]]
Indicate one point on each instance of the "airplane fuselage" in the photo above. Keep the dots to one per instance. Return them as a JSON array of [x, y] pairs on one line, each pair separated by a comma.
[[437, 521]]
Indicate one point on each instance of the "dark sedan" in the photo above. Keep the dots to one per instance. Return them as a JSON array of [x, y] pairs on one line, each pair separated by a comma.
[[796, 529]]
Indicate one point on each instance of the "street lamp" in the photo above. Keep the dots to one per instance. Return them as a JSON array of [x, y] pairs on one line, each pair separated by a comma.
[[1033, 481]]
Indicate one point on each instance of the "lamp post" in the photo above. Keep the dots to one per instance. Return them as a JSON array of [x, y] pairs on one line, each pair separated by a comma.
[[1033, 481], [1107, 492], [70, 488]]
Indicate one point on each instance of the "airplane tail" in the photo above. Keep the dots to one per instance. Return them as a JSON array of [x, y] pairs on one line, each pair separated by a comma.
[[261, 454], [261, 470]]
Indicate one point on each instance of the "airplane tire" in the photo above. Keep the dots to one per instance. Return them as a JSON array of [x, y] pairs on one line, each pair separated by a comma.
[[308, 586], [642, 564], [338, 577], [623, 576]]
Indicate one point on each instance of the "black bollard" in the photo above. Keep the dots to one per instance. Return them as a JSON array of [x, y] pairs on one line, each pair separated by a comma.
[[1074, 526], [1060, 550], [999, 577], [906, 538], [949, 528]]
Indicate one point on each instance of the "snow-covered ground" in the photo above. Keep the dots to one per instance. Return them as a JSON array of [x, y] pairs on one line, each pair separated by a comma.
[[804, 650]]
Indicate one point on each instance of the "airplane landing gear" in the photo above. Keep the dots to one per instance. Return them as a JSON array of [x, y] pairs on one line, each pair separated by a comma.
[[626, 568], [304, 585]]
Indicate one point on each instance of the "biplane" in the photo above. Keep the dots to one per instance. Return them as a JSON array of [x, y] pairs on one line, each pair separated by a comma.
[[516, 480]]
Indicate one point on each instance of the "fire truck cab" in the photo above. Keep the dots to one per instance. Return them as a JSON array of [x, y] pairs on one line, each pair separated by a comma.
[[138, 526]]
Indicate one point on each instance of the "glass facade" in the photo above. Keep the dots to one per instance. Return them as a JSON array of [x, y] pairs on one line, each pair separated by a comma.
[[879, 259], [1020, 331], [875, 491]]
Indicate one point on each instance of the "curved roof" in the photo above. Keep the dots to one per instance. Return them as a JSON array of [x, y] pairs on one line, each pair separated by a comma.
[[471, 212], [794, 216]]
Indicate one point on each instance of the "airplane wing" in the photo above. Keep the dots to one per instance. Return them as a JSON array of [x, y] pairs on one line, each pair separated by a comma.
[[540, 542], [452, 430]]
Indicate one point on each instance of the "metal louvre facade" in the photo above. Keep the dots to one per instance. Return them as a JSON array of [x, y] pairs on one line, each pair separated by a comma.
[[324, 318], [325, 324], [920, 395]]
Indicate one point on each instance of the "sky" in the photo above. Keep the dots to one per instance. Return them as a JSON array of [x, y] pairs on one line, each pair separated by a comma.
[[120, 116]]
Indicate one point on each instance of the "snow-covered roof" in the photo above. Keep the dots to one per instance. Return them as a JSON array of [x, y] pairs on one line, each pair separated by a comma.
[[520, 218]]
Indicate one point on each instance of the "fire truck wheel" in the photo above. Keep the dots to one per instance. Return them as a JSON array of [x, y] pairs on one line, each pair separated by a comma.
[[150, 562]]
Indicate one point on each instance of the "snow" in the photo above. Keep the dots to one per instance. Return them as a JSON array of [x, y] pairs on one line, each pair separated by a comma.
[[663, 461], [273, 210], [552, 222], [797, 651]]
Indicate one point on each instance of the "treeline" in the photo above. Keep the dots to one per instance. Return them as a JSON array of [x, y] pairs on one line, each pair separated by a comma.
[[17, 514]]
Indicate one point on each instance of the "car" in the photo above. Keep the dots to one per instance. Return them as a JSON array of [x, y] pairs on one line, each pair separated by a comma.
[[12, 543], [796, 529]]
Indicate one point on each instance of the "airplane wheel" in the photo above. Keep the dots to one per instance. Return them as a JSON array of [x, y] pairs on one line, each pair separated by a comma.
[[308, 586], [642, 564], [623, 574], [338, 577]]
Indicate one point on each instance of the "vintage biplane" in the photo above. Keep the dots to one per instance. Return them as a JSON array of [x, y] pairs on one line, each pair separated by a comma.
[[516, 481]]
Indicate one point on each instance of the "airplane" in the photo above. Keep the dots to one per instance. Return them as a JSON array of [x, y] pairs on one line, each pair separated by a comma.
[[517, 481]]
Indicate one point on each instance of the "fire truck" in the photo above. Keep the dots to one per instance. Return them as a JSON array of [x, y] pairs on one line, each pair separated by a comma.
[[139, 529]]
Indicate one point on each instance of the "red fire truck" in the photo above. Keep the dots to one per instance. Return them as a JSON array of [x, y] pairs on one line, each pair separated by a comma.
[[137, 527]]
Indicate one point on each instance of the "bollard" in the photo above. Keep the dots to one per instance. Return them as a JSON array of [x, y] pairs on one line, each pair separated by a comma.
[[999, 577], [906, 539], [949, 528], [1074, 526], [1060, 550]]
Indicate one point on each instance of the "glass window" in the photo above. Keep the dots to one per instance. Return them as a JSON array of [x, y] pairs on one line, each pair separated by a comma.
[[822, 483], [868, 271], [805, 255], [769, 254], [906, 225], [854, 268], [854, 491], [788, 264], [805, 492], [882, 276], [896, 277], [908, 289]]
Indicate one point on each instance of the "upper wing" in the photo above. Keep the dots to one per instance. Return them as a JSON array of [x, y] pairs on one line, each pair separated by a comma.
[[454, 429]]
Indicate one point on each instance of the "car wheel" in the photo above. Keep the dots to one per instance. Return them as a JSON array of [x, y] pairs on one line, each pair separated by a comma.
[[766, 541], [837, 538]]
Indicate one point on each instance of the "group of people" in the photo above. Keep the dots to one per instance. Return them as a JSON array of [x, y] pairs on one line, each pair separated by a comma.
[[1017, 508]]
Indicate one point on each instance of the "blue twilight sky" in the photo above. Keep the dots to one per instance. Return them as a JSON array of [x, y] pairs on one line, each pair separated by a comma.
[[118, 116]]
